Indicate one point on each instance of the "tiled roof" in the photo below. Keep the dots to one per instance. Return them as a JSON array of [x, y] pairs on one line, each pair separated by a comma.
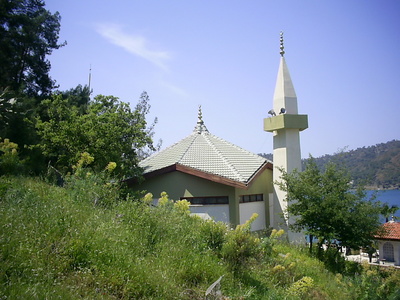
[[207, 153], [391, 231]]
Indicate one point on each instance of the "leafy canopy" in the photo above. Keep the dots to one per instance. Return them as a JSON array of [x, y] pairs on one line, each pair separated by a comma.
[[325, 206], [28, 33], [109, 131]]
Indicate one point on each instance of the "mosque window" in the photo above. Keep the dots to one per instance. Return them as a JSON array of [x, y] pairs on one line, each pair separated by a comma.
[[251, 198], [214, 200], [388, 252]]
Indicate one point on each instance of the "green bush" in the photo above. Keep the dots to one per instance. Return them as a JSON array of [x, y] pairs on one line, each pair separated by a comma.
[[214, 234], [10, 162], [241, 246]]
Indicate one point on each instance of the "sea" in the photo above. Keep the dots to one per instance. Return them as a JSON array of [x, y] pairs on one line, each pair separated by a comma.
[[391, 197]]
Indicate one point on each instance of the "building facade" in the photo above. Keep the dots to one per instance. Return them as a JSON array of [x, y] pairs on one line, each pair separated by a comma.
[[218, 178], [389, 243]]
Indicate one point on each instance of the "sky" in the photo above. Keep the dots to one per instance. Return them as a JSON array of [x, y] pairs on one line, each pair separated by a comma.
[[343, 57]]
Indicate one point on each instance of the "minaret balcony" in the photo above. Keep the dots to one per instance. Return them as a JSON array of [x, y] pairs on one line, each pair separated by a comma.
[[286, 121]]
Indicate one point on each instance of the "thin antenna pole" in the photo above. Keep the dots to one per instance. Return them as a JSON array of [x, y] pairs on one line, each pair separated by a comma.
[[90, 77]]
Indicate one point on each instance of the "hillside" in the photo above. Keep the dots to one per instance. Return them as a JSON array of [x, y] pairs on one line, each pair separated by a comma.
[[376, 166], [80, 242]]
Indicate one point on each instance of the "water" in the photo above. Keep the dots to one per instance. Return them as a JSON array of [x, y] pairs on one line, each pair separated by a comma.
[[391, 197]]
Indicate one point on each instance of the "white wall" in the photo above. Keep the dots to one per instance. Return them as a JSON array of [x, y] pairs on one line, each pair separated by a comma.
[[216, 212], [247, 209]]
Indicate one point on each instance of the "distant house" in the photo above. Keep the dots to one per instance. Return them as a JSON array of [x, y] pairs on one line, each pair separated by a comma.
[[389, 243], [218, 178]]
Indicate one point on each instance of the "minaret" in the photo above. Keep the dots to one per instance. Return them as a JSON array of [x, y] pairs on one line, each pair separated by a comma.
[[285, 123]]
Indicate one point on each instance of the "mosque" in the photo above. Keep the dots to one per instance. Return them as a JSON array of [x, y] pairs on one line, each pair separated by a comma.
[[225, 182]]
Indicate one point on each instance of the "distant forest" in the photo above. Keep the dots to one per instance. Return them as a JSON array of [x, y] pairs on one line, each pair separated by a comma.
[[375, 166]]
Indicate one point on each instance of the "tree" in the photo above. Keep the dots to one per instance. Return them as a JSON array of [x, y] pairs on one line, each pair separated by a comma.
[[6, 108], [109, 131], [28, 33], [79, 97], [389, 211], [326, 208]]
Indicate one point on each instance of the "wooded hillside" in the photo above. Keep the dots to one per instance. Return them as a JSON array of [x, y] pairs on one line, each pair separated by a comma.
[[376, 166]]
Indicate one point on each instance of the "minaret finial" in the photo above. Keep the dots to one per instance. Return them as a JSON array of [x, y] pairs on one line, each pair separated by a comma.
[[282, 52], [200, 115], [200, 127]]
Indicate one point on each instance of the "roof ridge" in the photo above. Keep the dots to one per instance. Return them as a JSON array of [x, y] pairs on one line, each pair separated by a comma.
[[240, 148], [194, 133], [227, 162]]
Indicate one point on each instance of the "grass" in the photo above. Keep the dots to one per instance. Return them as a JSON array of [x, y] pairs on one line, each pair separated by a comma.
[[83, 242]]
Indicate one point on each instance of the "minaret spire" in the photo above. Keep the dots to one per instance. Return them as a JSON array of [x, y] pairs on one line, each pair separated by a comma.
[[285, 95]]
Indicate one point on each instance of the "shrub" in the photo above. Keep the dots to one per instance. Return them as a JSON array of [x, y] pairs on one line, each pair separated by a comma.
[[9, 159], [182, 206], [213, 234], [241, 246], [301, 287]]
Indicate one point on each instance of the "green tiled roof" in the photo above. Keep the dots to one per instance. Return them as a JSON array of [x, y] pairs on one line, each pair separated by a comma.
[[207, 153]]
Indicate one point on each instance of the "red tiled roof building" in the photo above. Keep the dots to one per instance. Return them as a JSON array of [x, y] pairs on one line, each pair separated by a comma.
[[389, 242]]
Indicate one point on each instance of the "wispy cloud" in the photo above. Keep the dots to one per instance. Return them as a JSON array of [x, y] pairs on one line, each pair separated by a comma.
[[135, 44], [175, 89]]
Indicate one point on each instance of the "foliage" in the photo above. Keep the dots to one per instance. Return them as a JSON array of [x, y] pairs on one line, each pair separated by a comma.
[[301, 287], [326, 208], [377, 166], [78, 97], [10, 163], [389, 211], [182, 206], [16, 115], [240, 246], [58, 243], [7, 102], [28, 34], [109, 131], [214, 235]]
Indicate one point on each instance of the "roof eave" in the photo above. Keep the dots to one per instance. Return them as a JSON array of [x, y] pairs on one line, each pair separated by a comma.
[[387, 239], [195, 172], [265, 166], [209, 176]]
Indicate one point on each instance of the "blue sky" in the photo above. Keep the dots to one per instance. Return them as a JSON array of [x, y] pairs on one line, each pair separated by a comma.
[[343, 57]]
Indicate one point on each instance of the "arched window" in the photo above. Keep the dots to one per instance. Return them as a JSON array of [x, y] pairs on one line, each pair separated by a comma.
[[388, 252]]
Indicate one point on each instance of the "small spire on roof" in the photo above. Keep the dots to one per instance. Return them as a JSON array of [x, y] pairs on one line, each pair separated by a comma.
[[200, 127], [282, 52]]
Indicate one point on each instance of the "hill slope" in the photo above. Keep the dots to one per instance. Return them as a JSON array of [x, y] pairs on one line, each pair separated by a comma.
[[60, 243]]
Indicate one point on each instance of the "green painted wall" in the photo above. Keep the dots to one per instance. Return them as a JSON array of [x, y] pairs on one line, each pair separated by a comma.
[[178, 184], [285, 121]]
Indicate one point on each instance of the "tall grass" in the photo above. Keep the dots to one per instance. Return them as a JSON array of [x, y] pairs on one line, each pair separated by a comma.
[[84, 242]]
